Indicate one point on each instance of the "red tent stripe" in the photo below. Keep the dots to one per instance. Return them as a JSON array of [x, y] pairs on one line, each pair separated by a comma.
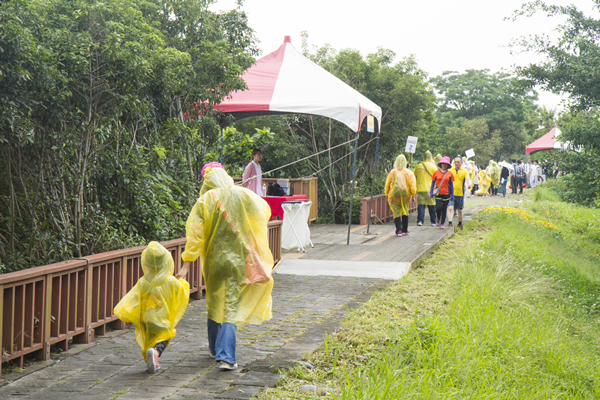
[[546, 142], [261, 84]]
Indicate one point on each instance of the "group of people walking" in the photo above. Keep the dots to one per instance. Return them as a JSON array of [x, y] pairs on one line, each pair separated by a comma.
[[438, 186], [441, 186]]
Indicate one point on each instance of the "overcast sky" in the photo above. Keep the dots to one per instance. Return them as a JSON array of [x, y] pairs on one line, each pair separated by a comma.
[[442, 34]]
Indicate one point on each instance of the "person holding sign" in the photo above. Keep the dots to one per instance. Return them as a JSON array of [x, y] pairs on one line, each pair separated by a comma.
[[400, 186]]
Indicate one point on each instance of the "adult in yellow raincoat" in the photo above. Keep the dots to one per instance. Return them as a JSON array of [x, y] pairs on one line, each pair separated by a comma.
[[424, 172], [155, 304], [492, 172], [400, 186], [227, 229]]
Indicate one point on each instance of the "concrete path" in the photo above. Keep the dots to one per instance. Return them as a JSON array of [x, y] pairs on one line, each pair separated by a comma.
[[310, 297]]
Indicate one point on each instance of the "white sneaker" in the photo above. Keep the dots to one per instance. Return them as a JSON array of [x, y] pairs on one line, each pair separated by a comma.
[[419, 223], [210, 354], [225, 366], [152, 361], [434, 225]]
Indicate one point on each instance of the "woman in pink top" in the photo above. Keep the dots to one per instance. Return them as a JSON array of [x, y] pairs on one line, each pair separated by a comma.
[[252, 176]]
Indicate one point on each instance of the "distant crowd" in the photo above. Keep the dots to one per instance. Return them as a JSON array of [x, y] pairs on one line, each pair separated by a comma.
[[441, 186]]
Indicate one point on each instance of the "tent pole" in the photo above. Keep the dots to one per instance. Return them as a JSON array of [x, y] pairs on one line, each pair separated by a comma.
[[221, 150], [352, 187], [373, 181]]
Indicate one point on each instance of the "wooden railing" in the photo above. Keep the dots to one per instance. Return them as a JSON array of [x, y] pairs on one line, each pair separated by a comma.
[[381, 209], [306, 186], [72, 301]]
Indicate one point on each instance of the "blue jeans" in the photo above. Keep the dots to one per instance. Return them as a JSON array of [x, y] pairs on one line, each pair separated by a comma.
[[421, 213], [221, 341]]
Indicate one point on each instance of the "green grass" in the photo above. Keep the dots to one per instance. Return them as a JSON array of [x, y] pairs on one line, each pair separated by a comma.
[[506, 309]]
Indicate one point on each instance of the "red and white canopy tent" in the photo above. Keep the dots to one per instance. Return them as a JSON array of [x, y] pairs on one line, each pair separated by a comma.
[[548, 142], [286, 82]]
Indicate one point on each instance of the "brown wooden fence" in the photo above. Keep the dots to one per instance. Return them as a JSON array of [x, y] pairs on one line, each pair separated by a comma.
[[381, 209], [74, 300]]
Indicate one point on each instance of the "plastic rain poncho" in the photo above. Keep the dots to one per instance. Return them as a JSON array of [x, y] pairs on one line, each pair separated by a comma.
[[400, 186], [437, 159], [484, 183], [227, 229], [157, 301], [496, 173], [424, 172]]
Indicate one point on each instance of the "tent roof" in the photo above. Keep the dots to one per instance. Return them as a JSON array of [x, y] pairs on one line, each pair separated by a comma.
[[286, 82], [547, 142]]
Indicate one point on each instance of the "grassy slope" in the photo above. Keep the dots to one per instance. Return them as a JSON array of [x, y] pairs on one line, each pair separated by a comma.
[[508, 308]]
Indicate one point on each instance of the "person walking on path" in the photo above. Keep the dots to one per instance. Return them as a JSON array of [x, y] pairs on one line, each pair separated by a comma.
[[155, 304], [442, 189], [504, 180], [400, 186], [533, 174], [227, 229], [520, 172], [514, 181], [252, 176], [424, 172], [527, 168], [461, 176]]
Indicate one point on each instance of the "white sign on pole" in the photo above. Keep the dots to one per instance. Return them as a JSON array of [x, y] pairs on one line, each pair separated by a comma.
[[411, 144], [470, 153]]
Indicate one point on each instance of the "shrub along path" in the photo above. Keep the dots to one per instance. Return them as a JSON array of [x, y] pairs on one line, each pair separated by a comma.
[[304, 308]]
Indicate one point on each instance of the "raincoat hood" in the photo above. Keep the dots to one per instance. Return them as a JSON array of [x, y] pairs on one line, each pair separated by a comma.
[[157, 264], [428, 157], [215, 178], [400, 161], [437, 159]]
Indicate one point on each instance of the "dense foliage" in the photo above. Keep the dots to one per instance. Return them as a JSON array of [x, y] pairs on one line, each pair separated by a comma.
[[484, 111], [97, 152], [571, 67]]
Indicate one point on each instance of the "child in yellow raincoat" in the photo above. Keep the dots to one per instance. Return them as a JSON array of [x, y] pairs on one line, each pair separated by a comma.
[[227, 229], [400, 186], [155, 304]]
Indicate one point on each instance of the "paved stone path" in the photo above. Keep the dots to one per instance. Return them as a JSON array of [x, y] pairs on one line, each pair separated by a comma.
[[304, 307], [112, 367]]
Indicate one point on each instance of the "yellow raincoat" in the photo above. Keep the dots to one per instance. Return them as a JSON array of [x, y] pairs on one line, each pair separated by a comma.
[[484, 183], [424, 172], [400, 186], [227, 229], [437, 159], [157, 301]]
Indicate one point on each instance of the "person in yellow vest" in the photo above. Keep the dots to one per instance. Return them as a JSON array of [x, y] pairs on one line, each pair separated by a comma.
[[424, 172], [461, 178], [400, 186]]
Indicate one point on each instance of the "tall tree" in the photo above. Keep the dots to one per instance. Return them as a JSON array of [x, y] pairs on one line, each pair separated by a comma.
[[98, 147], [570, 67], [496, 98]]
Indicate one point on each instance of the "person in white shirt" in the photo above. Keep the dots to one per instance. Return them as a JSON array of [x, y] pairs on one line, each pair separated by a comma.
[[533, 175], [252, 176]]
